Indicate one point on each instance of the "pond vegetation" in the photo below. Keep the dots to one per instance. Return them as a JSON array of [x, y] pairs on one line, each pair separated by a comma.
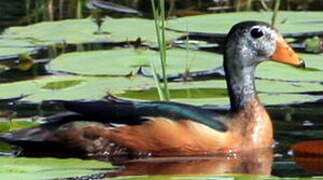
[[56, 52]]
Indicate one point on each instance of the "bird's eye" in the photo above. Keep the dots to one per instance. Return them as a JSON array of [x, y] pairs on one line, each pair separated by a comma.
[[256, 33]]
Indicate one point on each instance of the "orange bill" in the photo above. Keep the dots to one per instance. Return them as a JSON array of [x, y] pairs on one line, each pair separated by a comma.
[[285, 54]]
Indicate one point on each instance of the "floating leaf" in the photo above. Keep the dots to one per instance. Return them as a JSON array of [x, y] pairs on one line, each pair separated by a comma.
[[70, 87], [287, 21], [16, 125], [48, 168], [314, 44], [5, 148], [190, 93], [200, 93], [62, 84], [215, 93], [273, 70], [82, 30], [13, 47], [124, 61]]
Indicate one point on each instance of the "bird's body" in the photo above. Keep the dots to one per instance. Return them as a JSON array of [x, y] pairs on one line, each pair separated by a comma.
[[247, 130], [168, 129]]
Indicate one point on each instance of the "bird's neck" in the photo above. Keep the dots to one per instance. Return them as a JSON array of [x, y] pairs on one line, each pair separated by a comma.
[[250, 119], [240, 81]]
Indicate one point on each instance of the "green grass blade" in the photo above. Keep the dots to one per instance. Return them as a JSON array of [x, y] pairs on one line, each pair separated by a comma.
[[159, 17], [276, 8], [157, 82]]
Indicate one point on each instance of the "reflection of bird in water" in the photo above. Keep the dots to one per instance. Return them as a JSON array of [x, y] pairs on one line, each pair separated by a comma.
[[99, 8], [169, 128], [256, 162]]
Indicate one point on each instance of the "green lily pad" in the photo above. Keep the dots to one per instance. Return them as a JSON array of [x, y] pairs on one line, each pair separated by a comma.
[[181, 93], [5, 148], [279, 71], [313, 45], [62, 84], [48, 168], [124, 61], [13, 47], [16, 125], [82, 30], [287, 21], [200, 93], [263, 86], [215, 93], [70, 87]]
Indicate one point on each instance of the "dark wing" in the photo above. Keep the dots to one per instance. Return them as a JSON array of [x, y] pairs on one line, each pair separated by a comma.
[[78, 133], [40, 141], [114, 110]]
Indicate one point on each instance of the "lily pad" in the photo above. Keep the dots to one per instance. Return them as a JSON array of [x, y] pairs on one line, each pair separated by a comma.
[[182, 93], [124, 61], [200, 93], [62, 84], [263, 86], [48, 168], [215, 93], [287, 21], [273, 70], [5, 148], [16, 125], [70, 87], [82, 30], [313, 45], [13, 47], [266, 99]]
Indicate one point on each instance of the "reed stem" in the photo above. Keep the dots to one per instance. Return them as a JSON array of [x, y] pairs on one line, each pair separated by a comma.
[[264, 5], [276, 8], [159, 18]]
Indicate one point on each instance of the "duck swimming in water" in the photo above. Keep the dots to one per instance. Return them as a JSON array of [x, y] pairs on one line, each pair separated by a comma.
[[168, 128]]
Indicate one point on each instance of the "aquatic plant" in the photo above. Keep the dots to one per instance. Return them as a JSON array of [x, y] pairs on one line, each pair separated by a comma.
[[159, 17], [276, 8]]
